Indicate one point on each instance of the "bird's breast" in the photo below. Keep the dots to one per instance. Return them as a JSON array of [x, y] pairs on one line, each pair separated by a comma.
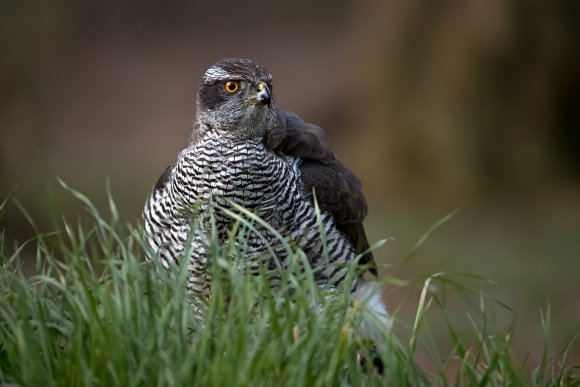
[[246, 173]]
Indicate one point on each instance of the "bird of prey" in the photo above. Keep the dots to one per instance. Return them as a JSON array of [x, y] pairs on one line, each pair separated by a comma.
[[245, 150]]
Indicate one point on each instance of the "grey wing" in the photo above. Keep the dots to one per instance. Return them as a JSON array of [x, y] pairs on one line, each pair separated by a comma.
[[164, 178], [337, 189]]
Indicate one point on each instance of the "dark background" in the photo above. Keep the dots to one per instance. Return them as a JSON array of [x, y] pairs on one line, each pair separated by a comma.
[[436, 105]]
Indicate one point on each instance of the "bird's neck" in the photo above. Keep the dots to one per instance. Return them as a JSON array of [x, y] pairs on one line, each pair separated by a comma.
[[225, 136], [225, 139]]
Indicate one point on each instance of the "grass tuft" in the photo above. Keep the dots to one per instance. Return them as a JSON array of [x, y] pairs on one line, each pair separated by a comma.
[[94, 312]]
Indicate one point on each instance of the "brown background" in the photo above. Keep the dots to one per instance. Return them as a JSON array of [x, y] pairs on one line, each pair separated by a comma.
[[437, 105]]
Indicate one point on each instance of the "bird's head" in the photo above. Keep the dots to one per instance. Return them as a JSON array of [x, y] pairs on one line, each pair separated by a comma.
[[235, 96]]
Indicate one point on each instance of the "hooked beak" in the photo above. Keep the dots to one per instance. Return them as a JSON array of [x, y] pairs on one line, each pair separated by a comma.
[[264, 96]]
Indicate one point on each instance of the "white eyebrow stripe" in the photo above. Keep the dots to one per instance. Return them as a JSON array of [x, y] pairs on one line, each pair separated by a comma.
[[216, 73], [219, 74]]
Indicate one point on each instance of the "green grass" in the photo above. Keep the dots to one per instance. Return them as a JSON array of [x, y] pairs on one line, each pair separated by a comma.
[[96, 313]]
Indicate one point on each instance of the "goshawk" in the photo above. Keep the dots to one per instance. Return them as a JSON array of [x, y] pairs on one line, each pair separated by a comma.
[[244, 150]]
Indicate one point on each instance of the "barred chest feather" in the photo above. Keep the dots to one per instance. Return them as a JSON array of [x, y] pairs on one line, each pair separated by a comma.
[[218, 170]]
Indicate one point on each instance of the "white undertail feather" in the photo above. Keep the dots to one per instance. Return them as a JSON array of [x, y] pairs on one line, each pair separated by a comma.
[[375, 321]]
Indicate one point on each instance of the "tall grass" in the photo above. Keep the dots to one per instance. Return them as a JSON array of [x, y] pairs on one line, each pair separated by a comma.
[[96, 313]]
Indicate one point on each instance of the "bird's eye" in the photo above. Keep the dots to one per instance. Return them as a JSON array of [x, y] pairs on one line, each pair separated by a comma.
[[231, 86]]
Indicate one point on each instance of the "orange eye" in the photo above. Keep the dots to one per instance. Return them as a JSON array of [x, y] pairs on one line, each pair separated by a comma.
[[232, 87]]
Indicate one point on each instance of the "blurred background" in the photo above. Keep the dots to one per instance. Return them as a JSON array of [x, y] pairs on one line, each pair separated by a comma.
[[436, 105]]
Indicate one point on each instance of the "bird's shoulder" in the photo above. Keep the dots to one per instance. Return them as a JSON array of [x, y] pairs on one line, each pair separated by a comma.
[[164, 178], [337, 189]]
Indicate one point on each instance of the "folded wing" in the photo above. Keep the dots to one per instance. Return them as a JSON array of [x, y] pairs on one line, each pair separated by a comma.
[[337, 189]]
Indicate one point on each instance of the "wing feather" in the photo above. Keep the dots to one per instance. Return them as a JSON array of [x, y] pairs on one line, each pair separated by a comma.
[[337, 188]]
